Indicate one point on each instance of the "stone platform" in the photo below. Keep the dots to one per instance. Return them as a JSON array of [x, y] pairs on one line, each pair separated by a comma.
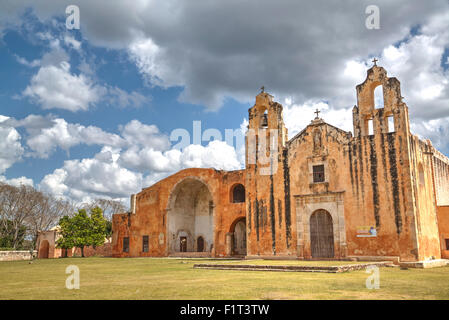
[[291, 268]]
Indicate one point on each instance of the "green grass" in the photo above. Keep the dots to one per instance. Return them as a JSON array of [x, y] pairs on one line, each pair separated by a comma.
[[154, 278]]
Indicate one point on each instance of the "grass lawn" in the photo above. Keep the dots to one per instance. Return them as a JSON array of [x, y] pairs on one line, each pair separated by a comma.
[[164, 278]]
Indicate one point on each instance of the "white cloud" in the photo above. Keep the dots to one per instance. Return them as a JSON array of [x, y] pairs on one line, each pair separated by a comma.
[[137, 133], [124, 99], [11, 149], [55, 87], [100, 176], [67, 135], [25, 62], [72, 42], [17, 182]]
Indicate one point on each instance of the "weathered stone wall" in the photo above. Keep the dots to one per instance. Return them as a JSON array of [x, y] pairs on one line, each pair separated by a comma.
[[16, 255], [319, 144], [424, 203], [156, 205], [101, 251], [270, 222], [443, 226], [441, 178]]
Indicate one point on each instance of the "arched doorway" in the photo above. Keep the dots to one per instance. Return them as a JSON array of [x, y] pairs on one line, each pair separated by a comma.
[[200, 244], [190, 217], [321, 235], [238, 237], [44, 249]]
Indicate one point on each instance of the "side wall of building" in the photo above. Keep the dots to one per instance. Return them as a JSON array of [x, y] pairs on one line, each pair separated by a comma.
[[155, 204]]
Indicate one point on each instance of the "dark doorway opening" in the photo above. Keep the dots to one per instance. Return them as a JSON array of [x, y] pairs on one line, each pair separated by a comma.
[[200, 244], [183, 244]]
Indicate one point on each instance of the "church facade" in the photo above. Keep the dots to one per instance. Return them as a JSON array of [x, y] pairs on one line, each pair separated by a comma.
[[377, 193]]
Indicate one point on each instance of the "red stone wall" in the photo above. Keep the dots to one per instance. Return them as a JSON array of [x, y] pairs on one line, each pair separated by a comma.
[[151, 215]]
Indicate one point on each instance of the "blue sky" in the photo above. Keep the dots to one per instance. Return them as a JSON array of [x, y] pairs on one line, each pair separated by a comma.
[[88, 113]]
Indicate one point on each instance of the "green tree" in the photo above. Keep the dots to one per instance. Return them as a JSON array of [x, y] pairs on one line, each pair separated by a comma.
[[82, 230]]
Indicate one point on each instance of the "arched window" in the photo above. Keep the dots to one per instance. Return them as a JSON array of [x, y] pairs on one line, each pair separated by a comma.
[[379, 97], [238, 193]]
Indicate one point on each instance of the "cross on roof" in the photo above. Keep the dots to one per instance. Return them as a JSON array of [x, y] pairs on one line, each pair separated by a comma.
[[317, 112], [263, 88], [375, 60]]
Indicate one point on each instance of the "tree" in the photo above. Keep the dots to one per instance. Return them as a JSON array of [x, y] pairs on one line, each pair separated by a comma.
[[82, 230], [108, 206], [17, 204]]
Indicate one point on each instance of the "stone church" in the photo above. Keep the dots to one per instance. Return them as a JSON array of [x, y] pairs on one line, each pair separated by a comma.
[[379, 192]]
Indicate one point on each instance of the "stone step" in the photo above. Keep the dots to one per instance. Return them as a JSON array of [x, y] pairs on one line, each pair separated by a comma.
[[291, 268]]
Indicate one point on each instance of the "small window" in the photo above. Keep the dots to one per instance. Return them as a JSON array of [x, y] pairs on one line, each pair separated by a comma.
[[318, 173], [145, 244], [238, 194], [390, 124], [125, 244], [370, 127], [447, 243]]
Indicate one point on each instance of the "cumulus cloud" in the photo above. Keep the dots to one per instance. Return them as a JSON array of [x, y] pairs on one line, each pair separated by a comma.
[[61, 134], [220, 48], [11, 149], [100, 176], [17, 182], [54, 86]]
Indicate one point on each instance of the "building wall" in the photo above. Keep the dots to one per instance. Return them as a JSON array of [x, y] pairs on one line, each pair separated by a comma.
[[156, 205], [387, 181], [319, 144], [443, 226]]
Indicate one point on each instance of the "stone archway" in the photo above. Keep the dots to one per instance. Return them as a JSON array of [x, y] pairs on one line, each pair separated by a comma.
[[44, 249], [190, 216], [321, 235], [236, 238]]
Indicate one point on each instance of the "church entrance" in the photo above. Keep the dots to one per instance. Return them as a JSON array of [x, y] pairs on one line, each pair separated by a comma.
[[238, 237], [321, 235], [190, 217]]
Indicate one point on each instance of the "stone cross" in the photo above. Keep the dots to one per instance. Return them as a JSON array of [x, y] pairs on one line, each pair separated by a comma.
[[317, 112], [375, 61], [263, 89]]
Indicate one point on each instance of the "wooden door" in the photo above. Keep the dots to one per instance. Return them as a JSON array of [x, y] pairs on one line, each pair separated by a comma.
[[321, 235]]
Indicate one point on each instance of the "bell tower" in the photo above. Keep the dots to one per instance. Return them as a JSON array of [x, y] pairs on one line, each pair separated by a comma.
[[268, 205]]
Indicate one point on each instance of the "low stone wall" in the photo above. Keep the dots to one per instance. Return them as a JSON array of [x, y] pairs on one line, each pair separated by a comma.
[[101, 251], [16, 255], [291, 268]]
